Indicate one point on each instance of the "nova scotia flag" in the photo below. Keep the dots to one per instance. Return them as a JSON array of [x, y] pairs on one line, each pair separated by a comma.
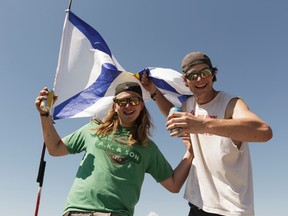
[[87, 74]]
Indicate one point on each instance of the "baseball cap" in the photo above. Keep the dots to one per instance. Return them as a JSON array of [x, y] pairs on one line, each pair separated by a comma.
[[195, 58], [128, 86]]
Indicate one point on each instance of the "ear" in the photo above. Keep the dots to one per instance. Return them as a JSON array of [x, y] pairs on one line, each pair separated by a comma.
[[114, 106], [185, 80], [142, 104]]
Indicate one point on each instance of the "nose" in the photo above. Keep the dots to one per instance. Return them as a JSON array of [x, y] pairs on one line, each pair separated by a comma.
[[198, 77], [128, 104]]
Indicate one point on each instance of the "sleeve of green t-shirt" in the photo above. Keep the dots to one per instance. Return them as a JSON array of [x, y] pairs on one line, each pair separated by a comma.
[[75, 141], [159, 167]]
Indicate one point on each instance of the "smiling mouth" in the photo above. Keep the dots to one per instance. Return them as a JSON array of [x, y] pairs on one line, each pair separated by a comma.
[[201, 86], [128, 112]]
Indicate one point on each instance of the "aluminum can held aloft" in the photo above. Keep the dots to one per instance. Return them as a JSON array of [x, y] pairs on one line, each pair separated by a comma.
[[172, 110], [46, 105]]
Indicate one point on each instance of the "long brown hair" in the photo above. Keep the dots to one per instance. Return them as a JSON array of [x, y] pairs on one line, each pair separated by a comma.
[[139, 133]]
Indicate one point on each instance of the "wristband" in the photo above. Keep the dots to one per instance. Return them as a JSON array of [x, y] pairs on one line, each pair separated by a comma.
[[45, 114], [154, 94]]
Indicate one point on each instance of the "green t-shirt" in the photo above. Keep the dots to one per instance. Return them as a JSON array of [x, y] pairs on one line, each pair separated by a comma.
[[111, 173]]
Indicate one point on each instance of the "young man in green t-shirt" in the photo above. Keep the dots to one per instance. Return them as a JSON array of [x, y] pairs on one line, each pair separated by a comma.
[[118, 153]]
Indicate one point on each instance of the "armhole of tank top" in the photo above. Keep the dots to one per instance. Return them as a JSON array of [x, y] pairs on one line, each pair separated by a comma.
[[228, 103]]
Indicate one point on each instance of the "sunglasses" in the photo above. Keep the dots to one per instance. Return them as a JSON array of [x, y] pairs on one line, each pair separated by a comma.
[[206, 72], [122, 102]]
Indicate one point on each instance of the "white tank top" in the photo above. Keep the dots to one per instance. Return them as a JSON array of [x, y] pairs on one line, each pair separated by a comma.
[[220, 179]]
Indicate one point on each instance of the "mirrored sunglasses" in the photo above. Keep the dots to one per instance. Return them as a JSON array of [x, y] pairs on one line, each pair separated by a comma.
[[206, 72], [122, 102]]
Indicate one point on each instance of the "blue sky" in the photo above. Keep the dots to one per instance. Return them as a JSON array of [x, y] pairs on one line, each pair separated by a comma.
[[246, 40]]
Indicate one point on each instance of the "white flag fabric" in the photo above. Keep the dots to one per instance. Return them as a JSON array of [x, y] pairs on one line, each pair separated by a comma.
[[87, 74]]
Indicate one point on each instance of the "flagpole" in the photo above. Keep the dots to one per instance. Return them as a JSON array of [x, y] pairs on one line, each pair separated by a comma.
[[69, 6], [40, 178], [42, 165]]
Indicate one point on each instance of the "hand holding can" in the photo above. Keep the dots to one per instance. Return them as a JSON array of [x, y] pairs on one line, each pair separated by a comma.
[[172, 110], [46, 104]]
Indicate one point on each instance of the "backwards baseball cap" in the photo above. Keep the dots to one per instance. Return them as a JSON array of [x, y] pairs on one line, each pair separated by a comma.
[[195, 58], [128, 86]]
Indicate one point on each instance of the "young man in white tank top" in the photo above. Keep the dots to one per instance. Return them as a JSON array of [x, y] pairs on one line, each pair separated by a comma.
[[220, 126]]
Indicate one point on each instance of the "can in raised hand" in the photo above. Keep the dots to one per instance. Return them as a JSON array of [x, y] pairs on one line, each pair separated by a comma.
[[46, 104]]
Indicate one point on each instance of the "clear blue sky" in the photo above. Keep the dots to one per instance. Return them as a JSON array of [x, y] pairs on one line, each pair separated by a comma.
[[246, 40]]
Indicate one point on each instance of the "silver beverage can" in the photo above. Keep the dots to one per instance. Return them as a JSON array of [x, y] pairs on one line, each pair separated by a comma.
[[172, 110], [46, 104]]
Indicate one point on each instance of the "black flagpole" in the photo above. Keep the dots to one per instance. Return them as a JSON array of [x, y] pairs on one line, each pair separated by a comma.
[[42, 164], [40, 178], [70, 3]]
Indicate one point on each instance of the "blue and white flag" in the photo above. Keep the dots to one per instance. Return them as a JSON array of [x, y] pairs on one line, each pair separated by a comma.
[[87, 74]]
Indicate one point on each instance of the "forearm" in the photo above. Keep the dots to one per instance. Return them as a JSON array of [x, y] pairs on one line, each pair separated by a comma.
[[163, 104], [244, 130], [181, 172], [51, 137]]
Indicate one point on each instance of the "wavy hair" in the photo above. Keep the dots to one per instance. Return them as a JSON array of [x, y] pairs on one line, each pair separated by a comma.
[[139, 133]]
